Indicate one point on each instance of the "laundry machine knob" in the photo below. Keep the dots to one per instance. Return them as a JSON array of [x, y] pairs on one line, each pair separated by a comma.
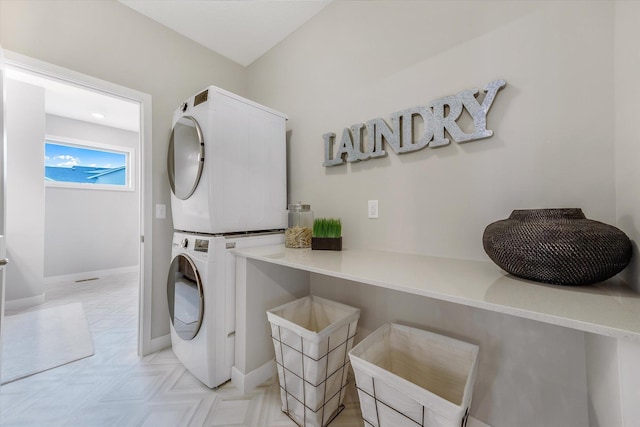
[[184, 243]]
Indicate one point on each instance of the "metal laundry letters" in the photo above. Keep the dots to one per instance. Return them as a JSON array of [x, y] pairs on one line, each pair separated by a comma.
[[440, 115]]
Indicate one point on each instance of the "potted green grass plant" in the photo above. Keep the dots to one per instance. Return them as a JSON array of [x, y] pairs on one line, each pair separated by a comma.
[[327, 234]]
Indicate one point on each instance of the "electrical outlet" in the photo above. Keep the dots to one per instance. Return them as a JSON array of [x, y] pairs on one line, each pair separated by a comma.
[[372, 209]]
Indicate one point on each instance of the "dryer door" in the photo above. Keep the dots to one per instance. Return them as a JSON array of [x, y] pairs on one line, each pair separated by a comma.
[[185, 297], [186, 157]]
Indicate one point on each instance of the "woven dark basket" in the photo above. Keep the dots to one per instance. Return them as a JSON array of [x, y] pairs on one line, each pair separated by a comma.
[[557, 246]]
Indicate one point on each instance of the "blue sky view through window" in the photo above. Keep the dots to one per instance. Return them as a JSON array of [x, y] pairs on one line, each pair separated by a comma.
[[66, 163], [67, 156]]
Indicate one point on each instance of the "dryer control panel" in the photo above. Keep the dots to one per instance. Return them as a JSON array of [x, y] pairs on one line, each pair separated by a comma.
[[201, 97], [201, 245]]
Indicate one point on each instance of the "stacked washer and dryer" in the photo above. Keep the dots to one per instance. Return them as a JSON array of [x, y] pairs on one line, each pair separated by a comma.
[[227, 171]]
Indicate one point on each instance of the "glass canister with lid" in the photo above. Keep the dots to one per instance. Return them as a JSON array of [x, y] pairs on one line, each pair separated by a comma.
[[299, 231]]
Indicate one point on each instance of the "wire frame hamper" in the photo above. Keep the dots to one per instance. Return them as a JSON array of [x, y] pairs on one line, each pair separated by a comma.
[[411, 377], [312, 337]]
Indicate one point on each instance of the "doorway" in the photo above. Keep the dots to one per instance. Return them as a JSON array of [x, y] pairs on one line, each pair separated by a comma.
[[139, 170]]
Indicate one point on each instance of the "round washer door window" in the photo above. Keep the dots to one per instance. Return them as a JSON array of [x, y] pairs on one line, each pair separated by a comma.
[[185, 297], [185, 157]]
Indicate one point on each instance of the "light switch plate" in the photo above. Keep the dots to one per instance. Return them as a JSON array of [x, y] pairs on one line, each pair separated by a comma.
[[161, 211], [372, 209]]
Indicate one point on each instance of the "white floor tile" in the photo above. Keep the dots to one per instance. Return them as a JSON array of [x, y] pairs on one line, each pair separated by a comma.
[[115, 387]]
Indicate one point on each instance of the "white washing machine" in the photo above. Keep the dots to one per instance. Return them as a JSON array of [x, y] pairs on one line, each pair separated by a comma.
[[227, 165], [201, 296]]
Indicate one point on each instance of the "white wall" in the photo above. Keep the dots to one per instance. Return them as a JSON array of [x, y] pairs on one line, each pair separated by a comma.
[[603, 381], [530, 374], [552, 123], [627, 149], [557, 143], [25, 191], [108, 40], [90, 230], [627, 133]]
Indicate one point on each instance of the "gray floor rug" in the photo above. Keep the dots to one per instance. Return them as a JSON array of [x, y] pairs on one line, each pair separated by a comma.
[[39, 340]]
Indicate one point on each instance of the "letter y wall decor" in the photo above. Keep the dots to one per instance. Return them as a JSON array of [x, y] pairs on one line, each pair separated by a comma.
[[437, 116]]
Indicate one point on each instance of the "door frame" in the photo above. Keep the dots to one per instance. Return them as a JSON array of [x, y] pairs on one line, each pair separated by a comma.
[[144, 171], [3, 169]]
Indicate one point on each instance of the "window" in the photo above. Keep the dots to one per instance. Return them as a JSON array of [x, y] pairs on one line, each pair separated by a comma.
[[87, 165]]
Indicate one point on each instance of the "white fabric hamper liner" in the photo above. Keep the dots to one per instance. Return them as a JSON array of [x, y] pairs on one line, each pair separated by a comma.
[[312, 337], [411, 377]]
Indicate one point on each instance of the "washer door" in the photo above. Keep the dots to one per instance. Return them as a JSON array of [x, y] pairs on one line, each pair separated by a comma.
[[185, 297], [186, 157]]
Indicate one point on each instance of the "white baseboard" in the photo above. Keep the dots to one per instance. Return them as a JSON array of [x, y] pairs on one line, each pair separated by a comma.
[[247, 382], [475, 423], [20, 303], [90, 274], [160, 343]]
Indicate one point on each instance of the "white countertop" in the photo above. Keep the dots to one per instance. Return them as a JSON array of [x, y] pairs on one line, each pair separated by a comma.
[[608, 308]]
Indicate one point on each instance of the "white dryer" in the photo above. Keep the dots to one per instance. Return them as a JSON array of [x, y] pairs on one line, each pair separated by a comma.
[[201, 297], [227, 165]]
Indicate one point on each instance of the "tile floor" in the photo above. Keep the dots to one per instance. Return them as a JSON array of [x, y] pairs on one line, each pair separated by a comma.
[[117, 388]]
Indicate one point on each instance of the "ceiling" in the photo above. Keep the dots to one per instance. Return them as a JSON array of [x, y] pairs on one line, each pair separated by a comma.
[[67, 100], [240, 30]]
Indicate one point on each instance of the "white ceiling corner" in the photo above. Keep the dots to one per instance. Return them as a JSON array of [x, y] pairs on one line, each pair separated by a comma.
[[67, 100], [240, 30]]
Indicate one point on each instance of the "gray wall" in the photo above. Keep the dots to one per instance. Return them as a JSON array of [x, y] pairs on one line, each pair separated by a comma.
[[90, 230], [110, 41]]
